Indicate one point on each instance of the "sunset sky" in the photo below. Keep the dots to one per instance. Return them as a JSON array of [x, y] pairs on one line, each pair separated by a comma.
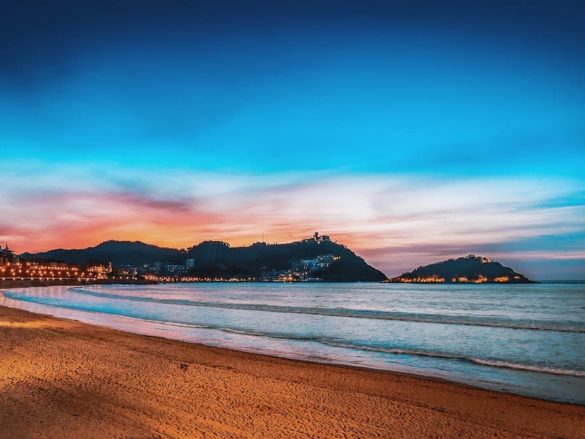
[[411, 131]]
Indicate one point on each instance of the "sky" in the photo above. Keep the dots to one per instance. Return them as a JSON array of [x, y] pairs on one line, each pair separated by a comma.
[[411, 131]]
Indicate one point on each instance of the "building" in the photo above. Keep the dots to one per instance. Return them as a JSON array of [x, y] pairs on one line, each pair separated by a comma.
[[174, 269], [318, 238], [157, 267], [100, 271], [190, 264], [7, 256]]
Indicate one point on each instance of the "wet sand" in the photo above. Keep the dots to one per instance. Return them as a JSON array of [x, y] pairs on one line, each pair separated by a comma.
[[64, 379]]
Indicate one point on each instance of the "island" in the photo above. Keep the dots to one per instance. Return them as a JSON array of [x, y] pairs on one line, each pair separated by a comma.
[[468, 269]]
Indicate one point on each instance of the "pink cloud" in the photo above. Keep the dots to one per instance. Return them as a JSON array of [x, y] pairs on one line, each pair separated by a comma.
[[396, 222]]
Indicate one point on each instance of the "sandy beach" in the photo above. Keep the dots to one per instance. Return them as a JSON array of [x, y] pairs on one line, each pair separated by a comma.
[[64, 379]]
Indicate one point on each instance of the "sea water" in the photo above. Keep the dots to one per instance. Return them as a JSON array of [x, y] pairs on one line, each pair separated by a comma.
[[525, 339]]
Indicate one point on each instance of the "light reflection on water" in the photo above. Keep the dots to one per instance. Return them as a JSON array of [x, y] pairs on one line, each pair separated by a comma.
[[526, 339]]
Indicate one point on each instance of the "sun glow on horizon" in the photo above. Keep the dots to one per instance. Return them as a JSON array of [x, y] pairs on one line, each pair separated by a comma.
[[395, 222]]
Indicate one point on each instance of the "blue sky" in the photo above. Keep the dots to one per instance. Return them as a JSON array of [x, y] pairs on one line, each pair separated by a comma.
[[264, 98]]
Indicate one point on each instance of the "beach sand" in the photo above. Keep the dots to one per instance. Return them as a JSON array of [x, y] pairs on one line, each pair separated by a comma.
[[64, 379]]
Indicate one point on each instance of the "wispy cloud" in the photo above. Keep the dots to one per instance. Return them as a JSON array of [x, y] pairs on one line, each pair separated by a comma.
[[395, 221]]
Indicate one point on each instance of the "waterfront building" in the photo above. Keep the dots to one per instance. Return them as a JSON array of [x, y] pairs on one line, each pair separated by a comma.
[[7, 256]]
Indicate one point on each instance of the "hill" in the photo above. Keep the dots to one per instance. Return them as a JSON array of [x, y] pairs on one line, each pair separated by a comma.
[[134, 253], [468, 269], [317, 258]]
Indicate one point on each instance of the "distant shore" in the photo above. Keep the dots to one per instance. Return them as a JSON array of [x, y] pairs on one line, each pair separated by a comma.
[[8, 283], [66, 379]]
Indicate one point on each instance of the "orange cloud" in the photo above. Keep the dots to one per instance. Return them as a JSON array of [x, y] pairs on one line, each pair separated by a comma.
[[394, 221]]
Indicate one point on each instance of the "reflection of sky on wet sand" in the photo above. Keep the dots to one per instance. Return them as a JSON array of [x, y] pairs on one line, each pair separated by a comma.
[[326, 323]]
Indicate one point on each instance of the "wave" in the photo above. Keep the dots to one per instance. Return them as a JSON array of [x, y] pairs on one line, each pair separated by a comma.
[[380, 349], [332, 342], [508, 365], [350, 313], [483, 362]]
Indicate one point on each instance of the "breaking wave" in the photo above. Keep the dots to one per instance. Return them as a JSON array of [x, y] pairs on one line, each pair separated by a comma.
[[352, 313]]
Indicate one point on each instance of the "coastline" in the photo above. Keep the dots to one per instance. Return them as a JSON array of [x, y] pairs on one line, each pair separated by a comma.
[[62, 378]]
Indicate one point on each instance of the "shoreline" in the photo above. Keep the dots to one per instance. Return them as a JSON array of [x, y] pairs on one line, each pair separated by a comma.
[[414, 375], [296, 360], [423, 377], [64, 378]]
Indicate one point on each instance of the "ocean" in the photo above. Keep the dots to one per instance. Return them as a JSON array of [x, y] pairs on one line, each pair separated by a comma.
[[524, 339]]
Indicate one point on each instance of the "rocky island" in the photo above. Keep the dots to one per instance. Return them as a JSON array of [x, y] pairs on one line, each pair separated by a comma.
[[468, 269]]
